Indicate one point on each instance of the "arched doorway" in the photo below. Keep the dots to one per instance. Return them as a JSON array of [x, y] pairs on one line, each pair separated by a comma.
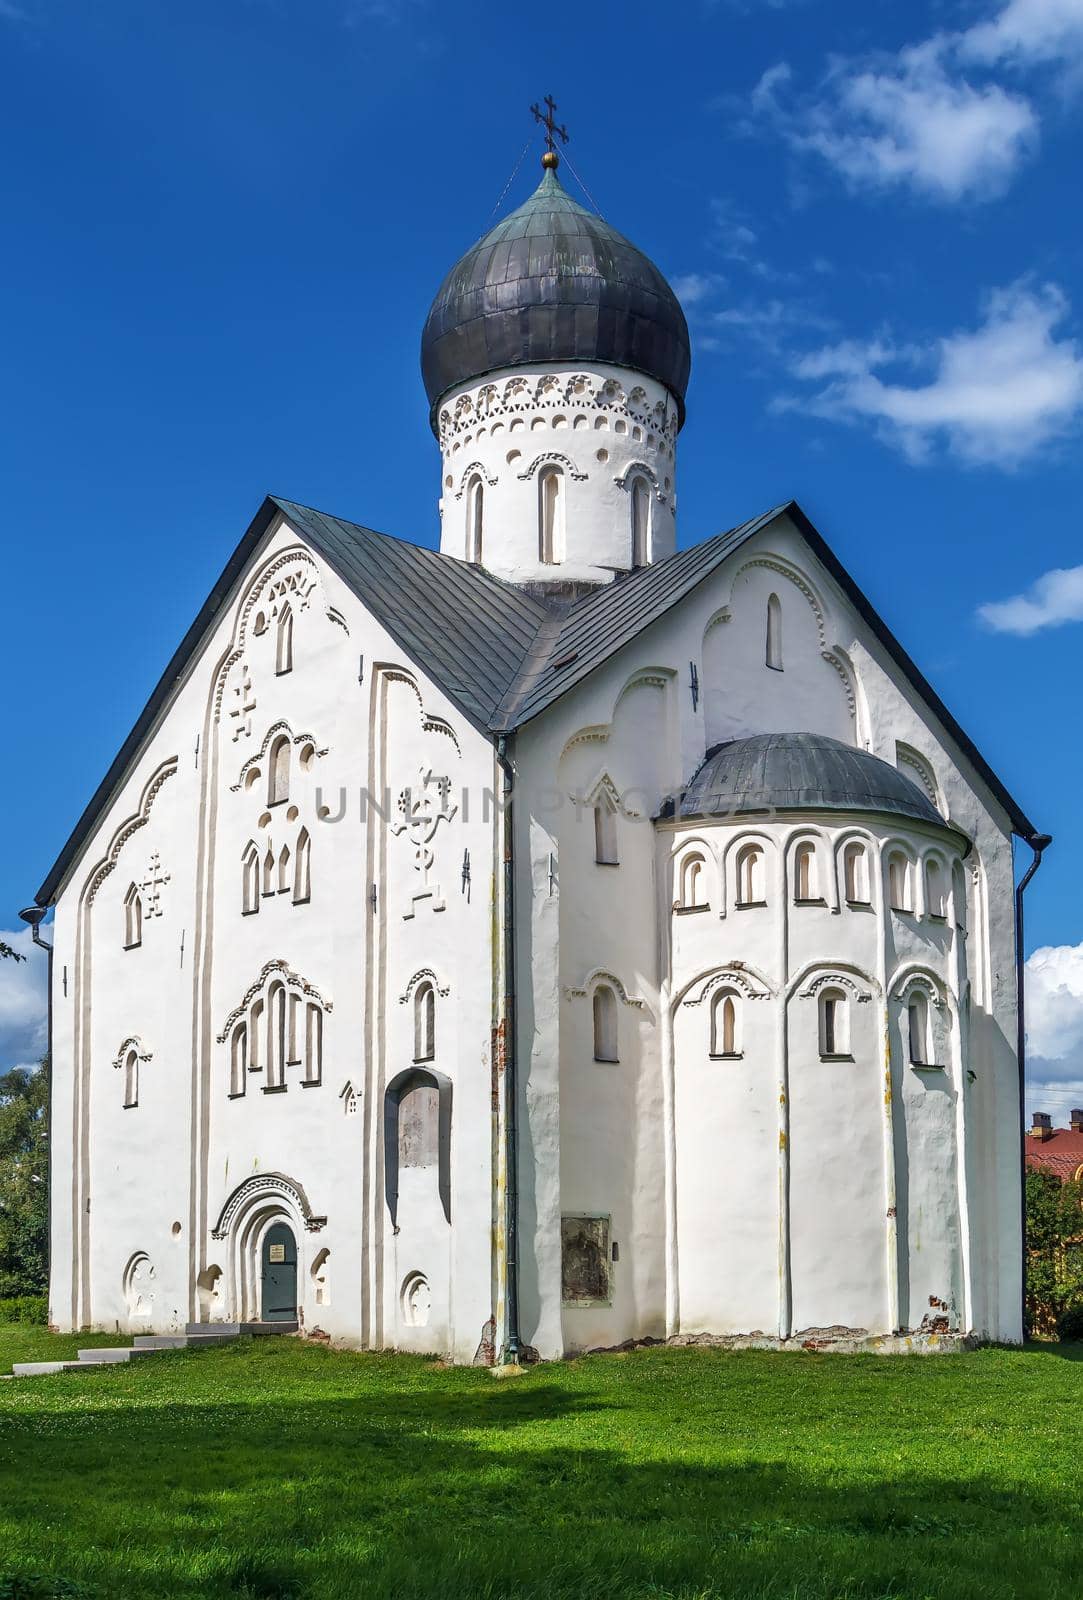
[[278, 1274]]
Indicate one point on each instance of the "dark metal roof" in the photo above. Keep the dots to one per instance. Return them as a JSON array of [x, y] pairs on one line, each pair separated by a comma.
[[553, 282], [799, 772], [502, 655]]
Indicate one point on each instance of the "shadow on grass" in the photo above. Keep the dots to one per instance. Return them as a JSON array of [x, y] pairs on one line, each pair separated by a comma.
[[522, 1491]]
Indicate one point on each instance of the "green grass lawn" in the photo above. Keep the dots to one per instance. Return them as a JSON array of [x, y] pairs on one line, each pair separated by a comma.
[[272, 1469]]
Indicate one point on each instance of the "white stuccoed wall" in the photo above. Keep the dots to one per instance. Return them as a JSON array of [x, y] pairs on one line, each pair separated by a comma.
[[653, 1140], [600, 425], [153, 1179]]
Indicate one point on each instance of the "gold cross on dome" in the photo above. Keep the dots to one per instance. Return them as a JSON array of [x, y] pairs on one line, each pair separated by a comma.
[[549, 123]]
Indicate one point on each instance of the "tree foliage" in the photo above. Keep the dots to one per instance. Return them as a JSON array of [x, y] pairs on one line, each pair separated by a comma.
[[1054, 1255], [24, 1180]]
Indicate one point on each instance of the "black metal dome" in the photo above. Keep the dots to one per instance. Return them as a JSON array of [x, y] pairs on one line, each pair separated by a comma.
[[553, 282], [799, 772]]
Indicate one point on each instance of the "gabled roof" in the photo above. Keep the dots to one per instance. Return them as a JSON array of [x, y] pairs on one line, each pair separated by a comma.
[[499, 652]]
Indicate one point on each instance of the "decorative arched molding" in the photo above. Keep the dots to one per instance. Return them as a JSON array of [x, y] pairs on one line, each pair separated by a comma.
[[912, 764], [553, 458], [399, 1085], [800, 580], [736, 975], [604, 787], [475, 468], [840, 661], [916, 976], [291, 979], [600, 732], [256, 1190], [422, 975], [641, 469], [298, 555], [296, 739], [585, 391], [130, 825], [601, 975], [429, 723], [130, 1044], [723, 614], [819, 975], [333, 614], [691, 841]]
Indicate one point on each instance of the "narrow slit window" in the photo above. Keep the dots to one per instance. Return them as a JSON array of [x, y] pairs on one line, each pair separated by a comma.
[[255, 1036], [302, 869], [917, 1022], [475, 505], [551, 498], [856, 874], [834, 1024], [313, 1044], [641, 522], [284, 870], [284, 641], [724, 1025], [936, 898], [693, 882], [131, 1078], [898, 881], [276, 1037], [605, 1024], [278, 785], [750, 876], [269, 871], [805, 879], [424, 1022], [250, 879], [605, 832], [133, 918], [238, 1066], [774, 633]]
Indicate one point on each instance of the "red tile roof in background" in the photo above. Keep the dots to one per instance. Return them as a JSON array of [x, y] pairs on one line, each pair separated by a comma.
[[1061, 1153]]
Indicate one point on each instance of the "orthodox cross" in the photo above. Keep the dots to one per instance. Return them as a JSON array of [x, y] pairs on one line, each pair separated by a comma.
[[246, 704], [152, 884], [549, 123], [422, 810]]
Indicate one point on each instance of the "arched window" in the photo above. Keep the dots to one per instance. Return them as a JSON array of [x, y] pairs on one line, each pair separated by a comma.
[[917, 1021], [641, 522], [605, 1024], [936, 894], [131, 1078], [133, 918], [751, 877], [806, 886], [250, 879], [276, 1037], [551, 503], [855, 866], [605, 832], [238, 1060], [284, 641], [774, 633], [474, 511], [269, 871], [834, 1023], [693, 893], [302, 875], [255, 1035], [725, 1037], [284, 869], [898, 881], [419, 1125], [424, 1022], [278, 764], [313, 1043]]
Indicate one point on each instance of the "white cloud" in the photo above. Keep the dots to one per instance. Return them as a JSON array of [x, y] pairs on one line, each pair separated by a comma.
[[1054, 996], [1054, 598], [693, 288], [1027, 31], [997, 394], [23, 1024]]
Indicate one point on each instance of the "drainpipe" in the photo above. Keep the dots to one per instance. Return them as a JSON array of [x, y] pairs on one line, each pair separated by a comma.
[[1039, 842], [511, 1085], [33, 916]]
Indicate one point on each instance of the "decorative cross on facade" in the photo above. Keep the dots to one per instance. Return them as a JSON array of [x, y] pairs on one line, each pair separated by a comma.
[[246, 704], [152, 887], [549, 123], [423, 809]]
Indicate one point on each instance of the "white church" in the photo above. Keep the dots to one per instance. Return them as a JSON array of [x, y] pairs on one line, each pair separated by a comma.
[[555, 940]]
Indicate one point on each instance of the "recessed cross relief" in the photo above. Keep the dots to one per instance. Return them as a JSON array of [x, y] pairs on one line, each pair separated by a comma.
[[423, 808], [242, 711]]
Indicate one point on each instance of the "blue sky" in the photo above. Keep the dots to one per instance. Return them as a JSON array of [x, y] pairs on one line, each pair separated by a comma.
[[225, 221]]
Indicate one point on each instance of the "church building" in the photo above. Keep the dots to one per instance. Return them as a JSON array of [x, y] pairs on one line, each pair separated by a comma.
[[552, 940]]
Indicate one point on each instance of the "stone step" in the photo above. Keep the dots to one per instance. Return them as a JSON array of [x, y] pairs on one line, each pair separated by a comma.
[[37, 1369], [160, 1341], [103, 1356], [234, 1330]]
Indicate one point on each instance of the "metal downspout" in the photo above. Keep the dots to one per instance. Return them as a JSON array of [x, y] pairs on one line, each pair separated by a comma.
[[1039, 843], [511, 1085]]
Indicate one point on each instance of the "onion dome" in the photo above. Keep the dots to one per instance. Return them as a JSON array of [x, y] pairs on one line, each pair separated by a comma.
[[553, 282], [799, 772]]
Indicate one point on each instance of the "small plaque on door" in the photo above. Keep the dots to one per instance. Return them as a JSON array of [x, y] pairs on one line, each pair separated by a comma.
[[276, 1252]]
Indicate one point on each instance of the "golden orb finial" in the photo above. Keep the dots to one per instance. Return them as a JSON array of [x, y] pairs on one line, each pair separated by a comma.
[[550, 161]]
